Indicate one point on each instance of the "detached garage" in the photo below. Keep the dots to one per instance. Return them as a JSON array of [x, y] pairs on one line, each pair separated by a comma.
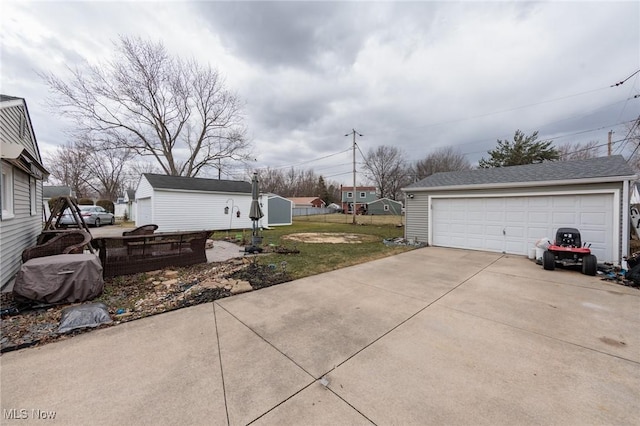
[[176, 203], [508, 209]]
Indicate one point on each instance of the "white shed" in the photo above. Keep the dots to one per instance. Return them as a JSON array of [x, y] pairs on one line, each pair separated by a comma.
[[177, 203]]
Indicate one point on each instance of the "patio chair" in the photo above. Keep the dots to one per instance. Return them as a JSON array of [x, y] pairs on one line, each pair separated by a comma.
[[141, 230], [70, 242]]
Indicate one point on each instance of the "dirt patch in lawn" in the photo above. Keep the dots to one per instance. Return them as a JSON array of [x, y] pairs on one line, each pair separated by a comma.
[[330, 238]]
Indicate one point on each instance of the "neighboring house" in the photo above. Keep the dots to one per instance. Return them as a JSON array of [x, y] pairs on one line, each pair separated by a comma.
[[49, 192], [177, 203], [307, 202], [279, 210], [126, 205], [20, 185], [384, 206], [508, 209], [362, 195]]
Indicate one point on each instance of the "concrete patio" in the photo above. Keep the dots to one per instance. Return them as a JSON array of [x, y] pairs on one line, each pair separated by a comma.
[[431, 336]]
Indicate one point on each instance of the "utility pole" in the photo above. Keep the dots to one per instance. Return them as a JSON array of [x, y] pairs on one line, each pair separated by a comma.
[[609, 143], [353, 208]]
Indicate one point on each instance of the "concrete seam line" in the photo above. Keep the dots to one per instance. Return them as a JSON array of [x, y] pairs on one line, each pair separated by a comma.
[[224, 391], [557, 339], [413, 315], [270, 344]]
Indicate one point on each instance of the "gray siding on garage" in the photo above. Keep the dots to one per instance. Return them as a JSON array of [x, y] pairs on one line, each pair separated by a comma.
[[417, 212], [416, 218]]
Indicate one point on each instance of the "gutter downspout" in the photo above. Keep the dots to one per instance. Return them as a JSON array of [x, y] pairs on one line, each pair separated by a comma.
[[625, 221]]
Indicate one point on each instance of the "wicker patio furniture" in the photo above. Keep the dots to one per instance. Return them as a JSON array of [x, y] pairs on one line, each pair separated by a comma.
[[70, 242], [141, 230], [142, 253]]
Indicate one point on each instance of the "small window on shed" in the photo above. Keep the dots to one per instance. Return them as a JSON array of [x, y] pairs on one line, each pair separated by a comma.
[[386, 207]]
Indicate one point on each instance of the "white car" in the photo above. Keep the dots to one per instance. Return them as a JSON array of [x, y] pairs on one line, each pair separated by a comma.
[[92, 216]]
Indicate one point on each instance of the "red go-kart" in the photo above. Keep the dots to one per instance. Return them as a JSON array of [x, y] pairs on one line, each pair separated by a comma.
[[568, 250]]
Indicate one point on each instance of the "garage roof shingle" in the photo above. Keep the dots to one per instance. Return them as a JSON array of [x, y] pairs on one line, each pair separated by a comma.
[[197, 184], [601, 167]]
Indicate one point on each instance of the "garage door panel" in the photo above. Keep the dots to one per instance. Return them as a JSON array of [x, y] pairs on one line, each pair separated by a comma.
[[537, 232], [538, 217], [564, 217], [597, 219], [492, 230], [514, 247], [565, 201], [514, 231], [478, 223]]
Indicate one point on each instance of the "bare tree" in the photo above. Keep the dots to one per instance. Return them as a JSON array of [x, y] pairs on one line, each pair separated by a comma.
[[108, 169], [298, 183], [386, 167], [631, 148], [579, 151], [90, 172], [67, 166], [177, 112], [441, 160]]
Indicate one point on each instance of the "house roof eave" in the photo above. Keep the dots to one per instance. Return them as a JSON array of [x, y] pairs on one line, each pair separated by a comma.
[[608, 179]]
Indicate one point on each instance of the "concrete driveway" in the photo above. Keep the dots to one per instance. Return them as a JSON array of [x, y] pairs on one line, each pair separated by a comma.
[[432, 336]]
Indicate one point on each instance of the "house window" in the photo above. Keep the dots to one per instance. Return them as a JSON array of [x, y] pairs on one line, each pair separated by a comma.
[[7, 191], [363, 194], [32, 195], [349, 194], [386, 207]]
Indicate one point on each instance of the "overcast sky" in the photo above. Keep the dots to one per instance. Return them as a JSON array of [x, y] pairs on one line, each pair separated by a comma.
[[415, 75]]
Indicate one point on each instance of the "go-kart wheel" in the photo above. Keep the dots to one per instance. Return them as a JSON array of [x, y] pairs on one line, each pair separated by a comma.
[[548, 261], [589, 265]]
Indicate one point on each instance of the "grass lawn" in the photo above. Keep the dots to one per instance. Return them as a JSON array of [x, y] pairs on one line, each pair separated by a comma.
[[315, 258]]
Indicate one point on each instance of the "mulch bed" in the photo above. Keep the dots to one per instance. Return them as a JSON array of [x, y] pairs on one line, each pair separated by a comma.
[[137, 296]]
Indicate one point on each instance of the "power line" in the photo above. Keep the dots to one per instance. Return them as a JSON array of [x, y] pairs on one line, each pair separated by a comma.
[[620, 83]]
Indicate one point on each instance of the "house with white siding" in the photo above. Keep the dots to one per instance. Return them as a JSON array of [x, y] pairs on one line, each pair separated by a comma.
[[20, 185], [177, 203]]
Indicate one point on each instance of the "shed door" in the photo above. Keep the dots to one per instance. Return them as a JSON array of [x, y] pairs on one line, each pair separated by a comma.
[[514, 224], [143, 215]]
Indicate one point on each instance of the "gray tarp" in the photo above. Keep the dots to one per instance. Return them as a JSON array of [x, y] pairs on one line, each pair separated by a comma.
[[66, 278]]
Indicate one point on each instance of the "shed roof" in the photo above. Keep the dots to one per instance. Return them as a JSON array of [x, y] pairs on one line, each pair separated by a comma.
[[196, 184], [7, 98], [606, 168], [304, 200], [55, 191], [385, 200]]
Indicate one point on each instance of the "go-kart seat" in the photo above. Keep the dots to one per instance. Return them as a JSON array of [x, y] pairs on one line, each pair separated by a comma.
[[568, 237]]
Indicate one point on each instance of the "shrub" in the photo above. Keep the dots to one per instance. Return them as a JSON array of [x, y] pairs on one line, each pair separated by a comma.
[[107, 205], [85, 202]]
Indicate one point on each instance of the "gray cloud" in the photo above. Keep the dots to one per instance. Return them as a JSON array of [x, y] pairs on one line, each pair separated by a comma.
[[416, 75]]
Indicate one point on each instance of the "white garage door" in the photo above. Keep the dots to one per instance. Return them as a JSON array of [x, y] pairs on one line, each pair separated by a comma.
[[143, 215], [514, 224]]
